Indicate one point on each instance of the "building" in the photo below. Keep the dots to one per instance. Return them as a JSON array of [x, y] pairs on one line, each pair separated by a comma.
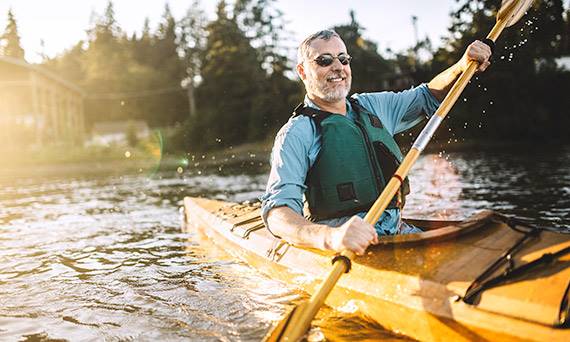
[[106, 133], [37, 106]]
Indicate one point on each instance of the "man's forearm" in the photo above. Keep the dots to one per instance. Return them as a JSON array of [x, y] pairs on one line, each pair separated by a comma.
[[441, 84], [294, 228]]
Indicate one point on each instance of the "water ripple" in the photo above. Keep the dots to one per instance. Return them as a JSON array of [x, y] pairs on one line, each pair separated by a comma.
[[102, 257]]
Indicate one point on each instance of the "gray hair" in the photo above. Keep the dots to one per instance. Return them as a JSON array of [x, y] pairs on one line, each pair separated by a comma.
[[303, 50]]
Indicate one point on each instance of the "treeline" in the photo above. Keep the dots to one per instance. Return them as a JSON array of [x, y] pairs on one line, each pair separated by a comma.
[[219, 83], [524, 94], [228, 80]]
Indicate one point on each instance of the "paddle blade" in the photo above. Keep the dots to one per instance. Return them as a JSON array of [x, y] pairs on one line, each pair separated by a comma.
[[513, 10], [277, 332]]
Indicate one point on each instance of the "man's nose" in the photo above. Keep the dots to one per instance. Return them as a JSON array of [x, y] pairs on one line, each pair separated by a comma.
[[337, 65]]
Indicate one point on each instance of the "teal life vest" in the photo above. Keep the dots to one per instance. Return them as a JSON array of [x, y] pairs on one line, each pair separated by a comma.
[[356, 161]]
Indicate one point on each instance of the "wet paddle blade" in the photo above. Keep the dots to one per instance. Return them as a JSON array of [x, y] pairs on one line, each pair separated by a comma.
[[513, 10], [277, 332]]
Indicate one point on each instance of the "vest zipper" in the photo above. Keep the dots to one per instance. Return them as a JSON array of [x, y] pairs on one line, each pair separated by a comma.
[[370, 156]]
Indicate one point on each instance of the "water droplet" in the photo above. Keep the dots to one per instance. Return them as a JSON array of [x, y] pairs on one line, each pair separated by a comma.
[[128, 154]]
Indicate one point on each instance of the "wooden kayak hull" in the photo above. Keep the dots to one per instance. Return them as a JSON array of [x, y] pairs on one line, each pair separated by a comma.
[[413, 284]]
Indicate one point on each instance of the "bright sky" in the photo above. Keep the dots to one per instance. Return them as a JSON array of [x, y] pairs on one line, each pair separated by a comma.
[[62, 23]]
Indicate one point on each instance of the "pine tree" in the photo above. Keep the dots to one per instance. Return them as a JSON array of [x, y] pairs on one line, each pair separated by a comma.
[[370, 71], [10, 41], [231, 76], [165, 57], [521, 96], [264, 25], [193, 39]]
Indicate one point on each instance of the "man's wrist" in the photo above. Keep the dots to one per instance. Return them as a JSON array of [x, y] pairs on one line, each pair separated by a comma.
[[328, 241]]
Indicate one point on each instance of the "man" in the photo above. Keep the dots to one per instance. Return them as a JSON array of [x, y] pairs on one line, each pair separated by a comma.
[[339, 153]]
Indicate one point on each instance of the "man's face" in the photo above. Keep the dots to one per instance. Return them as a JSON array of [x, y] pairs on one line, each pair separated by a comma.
[[329, 83]]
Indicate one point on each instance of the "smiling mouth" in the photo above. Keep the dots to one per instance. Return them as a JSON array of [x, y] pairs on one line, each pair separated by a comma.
[[335, 79]]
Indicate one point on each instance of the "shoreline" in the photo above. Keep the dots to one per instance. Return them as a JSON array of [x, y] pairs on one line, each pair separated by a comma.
[[114, 161]]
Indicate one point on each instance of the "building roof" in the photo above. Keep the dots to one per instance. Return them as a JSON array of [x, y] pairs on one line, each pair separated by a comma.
[[42, 71]]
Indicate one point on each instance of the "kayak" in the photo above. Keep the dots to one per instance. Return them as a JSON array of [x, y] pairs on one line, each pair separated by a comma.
[[488, 277]]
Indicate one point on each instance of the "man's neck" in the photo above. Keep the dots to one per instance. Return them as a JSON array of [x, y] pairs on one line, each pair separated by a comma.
[[332, 107]]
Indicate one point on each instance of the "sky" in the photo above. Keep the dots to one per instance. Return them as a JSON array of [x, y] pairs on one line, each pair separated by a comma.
[[62, 23]]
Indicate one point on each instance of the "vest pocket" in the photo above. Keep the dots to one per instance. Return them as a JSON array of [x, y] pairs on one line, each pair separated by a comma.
[[346, 192]]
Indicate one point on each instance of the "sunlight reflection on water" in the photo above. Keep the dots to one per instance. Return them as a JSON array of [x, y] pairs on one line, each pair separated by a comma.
[[103, 256]]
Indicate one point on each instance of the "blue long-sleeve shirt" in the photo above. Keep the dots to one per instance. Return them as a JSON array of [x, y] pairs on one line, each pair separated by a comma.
[[298, 143]]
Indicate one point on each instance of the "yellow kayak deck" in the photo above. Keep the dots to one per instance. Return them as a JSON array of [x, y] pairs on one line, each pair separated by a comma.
[[417, 284]]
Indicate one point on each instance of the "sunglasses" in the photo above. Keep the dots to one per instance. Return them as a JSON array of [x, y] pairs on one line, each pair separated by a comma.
[[328, 59]]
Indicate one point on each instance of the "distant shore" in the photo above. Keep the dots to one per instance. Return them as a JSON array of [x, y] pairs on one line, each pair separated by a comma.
[[67, 160]]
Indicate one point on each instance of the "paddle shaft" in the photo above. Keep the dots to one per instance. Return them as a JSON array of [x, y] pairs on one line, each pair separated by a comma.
[[300, 320]]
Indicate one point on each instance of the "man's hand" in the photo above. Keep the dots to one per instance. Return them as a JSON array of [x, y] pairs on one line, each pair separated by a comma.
[[479, 52], [355, 235], [476, 51]]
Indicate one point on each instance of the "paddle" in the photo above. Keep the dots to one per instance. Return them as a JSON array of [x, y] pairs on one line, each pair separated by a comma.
[[295, 325]]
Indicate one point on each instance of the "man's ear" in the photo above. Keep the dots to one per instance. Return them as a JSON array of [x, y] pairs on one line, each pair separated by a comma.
[[301, 71]]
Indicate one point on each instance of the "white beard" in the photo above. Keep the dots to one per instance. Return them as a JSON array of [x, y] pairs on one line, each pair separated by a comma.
[[329, 94]]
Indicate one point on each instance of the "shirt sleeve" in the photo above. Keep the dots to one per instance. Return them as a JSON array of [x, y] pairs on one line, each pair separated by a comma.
[[290, 163], [402, 110]]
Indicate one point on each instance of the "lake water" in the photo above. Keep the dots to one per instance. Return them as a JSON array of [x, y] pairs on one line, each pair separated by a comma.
[[100, 255]]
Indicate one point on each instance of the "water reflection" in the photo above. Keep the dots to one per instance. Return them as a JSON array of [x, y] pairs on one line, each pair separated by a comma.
[[102, 256]]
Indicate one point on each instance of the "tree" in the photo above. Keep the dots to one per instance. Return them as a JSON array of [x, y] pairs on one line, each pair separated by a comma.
[[70, 65], [166, 57], [193, 39], [370, 71], [520, 96], [263, 23], [10, 41], [231, 76]]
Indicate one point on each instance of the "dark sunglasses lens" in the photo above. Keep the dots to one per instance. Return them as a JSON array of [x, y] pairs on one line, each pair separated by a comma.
[[324, 60], [343, 59]]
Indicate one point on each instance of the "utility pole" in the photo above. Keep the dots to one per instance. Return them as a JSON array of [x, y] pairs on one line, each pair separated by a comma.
[[415, 24], [416, 45]]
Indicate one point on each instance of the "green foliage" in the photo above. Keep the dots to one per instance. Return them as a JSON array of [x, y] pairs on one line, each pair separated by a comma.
[[237, 100], [10, 40], [228, 81], [519, 97], [232, 78], [264, 25], [128, 78], [370, 71]]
